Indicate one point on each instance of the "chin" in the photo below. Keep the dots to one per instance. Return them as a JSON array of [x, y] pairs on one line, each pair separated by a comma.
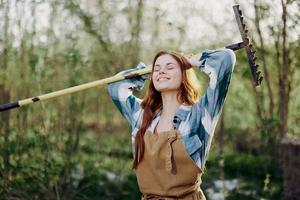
[[163, 89], [166, 87]]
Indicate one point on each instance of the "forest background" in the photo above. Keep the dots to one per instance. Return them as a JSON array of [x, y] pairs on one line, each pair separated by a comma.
[[79, 146]]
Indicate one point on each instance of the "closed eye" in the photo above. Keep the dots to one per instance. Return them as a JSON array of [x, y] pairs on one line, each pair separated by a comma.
[[170, 65]]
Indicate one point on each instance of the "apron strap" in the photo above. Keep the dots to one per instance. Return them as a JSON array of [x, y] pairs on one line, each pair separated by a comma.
[[169, 157]]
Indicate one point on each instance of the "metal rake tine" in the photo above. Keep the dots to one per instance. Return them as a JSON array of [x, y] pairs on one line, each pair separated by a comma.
[[247, 41], [244, 26], [247, 45], [239, 10], [252, 50], [253, 66], [258, 73]]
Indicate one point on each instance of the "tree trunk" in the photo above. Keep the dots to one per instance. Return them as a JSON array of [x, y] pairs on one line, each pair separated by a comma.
[[5, 96], [221, 144], [261, 50], [5, 129], [136, 28], [284, 85]]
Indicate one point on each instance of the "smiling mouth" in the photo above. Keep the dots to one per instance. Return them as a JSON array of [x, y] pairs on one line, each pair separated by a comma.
[[163, 79]]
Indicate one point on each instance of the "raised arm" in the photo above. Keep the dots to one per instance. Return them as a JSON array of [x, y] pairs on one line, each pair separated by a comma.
[[121, 93], [218, 65]]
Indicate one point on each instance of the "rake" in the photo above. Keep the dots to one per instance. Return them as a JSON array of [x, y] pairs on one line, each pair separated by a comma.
[[257, 78]]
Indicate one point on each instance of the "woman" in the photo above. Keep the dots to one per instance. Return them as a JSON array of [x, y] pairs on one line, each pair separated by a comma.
[[172, 128]]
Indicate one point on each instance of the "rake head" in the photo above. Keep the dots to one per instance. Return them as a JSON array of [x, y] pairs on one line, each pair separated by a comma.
[[257, 78]]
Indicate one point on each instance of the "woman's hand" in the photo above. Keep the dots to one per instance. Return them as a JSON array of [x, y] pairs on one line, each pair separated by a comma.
[[192, 59]]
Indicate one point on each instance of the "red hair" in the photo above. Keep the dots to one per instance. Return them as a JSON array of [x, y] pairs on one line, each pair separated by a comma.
[[188, 93]]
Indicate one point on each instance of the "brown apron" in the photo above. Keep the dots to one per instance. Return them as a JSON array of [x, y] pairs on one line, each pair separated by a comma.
[[167, 170]]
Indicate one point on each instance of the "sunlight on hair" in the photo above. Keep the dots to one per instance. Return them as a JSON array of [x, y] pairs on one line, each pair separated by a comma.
[[193, 80]]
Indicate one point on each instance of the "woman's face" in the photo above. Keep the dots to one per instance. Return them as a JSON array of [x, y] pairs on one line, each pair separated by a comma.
[[166, 74]]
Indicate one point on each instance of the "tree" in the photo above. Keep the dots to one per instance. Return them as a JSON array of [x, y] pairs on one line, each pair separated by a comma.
[[5, 92]]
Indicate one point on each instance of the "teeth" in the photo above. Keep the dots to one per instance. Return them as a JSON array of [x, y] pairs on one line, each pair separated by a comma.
[[162, 79]]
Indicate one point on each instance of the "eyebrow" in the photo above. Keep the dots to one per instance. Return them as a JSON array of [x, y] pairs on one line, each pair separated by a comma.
[[158, 65], [170, 63]]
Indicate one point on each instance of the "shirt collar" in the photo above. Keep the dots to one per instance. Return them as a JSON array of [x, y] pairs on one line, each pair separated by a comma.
[[181, 113]]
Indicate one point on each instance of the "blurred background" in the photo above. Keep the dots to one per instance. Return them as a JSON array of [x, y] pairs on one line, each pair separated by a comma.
[[79, 146]]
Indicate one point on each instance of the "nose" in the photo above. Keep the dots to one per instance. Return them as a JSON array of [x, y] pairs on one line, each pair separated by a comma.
[[161, 71]]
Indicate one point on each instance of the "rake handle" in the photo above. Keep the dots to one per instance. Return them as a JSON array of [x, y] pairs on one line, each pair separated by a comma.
[[74, 89], [9, 106]]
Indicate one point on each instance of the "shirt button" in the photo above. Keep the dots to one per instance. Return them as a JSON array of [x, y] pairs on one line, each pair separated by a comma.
[[175, 121]]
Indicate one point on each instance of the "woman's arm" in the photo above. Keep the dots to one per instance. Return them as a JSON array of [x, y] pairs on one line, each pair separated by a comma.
[[123, 98], [218, 65]]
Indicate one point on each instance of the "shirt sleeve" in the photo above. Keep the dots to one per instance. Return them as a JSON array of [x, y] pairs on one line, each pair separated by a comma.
[[218, 65], [121, 93]]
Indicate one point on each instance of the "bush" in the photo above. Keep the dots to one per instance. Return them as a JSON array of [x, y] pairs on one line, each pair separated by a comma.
[[249, 165]]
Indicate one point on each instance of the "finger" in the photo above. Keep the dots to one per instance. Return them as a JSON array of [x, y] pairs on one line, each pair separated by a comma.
[[183, 54]]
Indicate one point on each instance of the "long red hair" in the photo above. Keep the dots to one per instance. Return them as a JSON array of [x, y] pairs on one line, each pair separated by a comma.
[[188, 94]]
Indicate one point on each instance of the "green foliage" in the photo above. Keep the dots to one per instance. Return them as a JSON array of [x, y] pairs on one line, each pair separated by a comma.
[[103, 168], [258, 176], [255, 166], [71, 147]]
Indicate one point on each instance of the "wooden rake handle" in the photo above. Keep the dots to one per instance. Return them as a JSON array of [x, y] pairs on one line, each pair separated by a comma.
[[74, 89]]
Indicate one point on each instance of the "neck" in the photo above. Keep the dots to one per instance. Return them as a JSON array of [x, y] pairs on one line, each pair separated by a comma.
[[170, 103]]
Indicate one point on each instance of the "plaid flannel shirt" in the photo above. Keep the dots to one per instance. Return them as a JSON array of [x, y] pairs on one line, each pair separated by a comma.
[[196, 123]]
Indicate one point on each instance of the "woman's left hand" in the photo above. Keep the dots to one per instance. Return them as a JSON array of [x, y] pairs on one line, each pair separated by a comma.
[[192, 59]]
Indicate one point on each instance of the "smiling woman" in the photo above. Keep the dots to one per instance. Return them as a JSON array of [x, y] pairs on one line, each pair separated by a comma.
[[173, 69], [172, 128]]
